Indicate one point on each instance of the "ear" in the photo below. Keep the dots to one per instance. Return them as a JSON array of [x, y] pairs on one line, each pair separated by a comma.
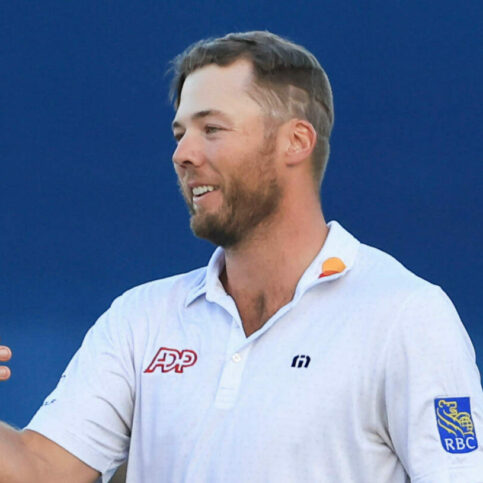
[[301, 140]]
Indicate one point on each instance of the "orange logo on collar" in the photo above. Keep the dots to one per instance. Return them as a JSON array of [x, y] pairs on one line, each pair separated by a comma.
[[331, 266]]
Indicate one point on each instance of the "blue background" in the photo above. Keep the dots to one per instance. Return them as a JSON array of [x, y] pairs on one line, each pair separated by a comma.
[[89, 203]]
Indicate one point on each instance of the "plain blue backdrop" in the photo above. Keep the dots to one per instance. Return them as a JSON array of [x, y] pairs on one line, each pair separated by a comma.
[[89, 203]]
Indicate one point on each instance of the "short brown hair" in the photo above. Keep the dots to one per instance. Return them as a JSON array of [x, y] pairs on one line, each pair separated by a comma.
[[289, 80]]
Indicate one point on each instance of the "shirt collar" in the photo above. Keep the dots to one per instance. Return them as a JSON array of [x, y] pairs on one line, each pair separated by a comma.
[[210, 282], [334, 260]]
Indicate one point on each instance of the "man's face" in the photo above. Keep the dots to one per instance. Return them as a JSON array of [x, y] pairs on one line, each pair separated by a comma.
[[225, 163]]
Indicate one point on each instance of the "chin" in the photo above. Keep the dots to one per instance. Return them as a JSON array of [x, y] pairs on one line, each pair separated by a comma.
[[210, 228]]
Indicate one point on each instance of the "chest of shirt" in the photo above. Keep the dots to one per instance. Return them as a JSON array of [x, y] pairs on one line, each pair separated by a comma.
[[304, 366]]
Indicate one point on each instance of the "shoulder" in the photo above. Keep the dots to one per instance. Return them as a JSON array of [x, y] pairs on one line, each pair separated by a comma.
[[372, 273], [415, 311], [172, 290], [181, 283], [380, 275], [149, 304], [391, 296]]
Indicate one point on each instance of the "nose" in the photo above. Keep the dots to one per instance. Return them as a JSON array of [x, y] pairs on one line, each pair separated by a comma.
[[188, 151]]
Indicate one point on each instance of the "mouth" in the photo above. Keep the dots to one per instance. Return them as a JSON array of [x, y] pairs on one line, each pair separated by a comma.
[[202, 191]]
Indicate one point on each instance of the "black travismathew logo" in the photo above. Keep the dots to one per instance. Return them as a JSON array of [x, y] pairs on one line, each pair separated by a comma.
[[301, 361]]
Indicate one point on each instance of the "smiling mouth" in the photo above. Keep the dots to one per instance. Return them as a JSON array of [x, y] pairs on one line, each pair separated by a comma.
[[199, 191]]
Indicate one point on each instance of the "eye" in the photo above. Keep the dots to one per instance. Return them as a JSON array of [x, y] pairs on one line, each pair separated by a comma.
[[177, 136], [212, 129]]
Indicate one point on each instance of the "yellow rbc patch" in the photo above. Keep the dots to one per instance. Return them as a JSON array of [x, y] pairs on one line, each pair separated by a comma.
[[455, 424]]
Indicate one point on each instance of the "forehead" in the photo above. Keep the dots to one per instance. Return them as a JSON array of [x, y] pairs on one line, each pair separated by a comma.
[[218, 88]]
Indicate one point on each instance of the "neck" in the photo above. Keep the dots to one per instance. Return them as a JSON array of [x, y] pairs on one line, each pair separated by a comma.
[[262, 272]]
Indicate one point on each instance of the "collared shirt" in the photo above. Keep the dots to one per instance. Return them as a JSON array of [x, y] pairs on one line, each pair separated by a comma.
[[367, 375]]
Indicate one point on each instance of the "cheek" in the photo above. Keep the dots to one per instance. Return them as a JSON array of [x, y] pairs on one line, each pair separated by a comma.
[[216, 155], [229, 156]]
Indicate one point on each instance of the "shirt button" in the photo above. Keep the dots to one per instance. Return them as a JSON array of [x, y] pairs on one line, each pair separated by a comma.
[[236, 357]]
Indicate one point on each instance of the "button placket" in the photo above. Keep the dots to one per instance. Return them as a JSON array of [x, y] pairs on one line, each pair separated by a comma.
[[232, 370]]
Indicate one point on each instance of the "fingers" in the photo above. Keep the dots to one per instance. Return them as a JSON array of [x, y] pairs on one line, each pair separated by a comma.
[[5, 355], [4, 373]]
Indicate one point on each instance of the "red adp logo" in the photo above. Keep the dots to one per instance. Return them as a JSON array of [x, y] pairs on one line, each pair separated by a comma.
[[172, 360]]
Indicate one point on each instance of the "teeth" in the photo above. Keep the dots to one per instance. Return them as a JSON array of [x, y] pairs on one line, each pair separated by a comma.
[[201, 190]]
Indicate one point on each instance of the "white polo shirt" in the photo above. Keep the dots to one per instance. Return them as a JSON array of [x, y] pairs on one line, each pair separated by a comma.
[[366, 376]]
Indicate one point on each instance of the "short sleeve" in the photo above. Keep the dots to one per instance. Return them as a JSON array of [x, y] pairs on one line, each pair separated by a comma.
[[90, 411], [433, 394]]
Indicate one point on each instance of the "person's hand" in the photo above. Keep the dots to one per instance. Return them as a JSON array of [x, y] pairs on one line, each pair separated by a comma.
[[5, 355]]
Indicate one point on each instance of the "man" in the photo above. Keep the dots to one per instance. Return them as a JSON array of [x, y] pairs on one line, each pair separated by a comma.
[[298, 354]]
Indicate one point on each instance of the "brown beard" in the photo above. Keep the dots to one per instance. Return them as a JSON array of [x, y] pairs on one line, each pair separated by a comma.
[[243, 210], [250, 198]]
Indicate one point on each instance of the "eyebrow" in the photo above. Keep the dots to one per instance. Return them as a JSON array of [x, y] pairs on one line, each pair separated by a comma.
[[201, 115]]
